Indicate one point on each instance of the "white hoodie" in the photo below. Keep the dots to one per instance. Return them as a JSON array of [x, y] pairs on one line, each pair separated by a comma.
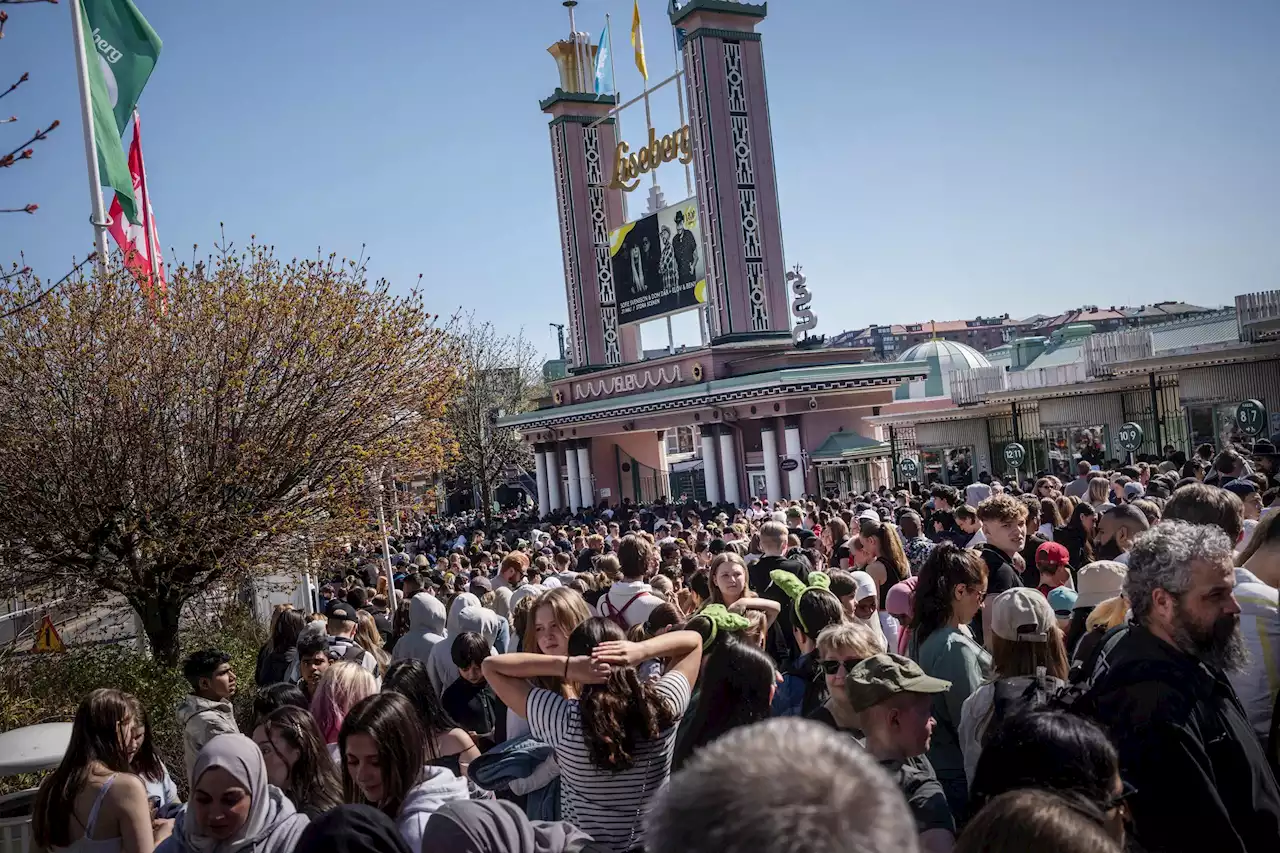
[[438, 786]]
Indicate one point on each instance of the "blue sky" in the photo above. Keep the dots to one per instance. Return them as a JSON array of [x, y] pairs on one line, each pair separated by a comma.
[[936, 159]]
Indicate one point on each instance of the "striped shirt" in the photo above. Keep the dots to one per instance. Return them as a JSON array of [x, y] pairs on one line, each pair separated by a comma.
[[607, 806]]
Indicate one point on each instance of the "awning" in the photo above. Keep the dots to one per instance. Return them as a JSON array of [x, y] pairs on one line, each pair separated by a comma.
[[849, 447], [686, 465]]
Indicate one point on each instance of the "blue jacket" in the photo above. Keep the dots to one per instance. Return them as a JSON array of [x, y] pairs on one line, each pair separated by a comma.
[[802, 689], [517, 759]]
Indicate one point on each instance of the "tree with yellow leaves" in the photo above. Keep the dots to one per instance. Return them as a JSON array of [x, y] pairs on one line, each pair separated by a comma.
[[153, 450]]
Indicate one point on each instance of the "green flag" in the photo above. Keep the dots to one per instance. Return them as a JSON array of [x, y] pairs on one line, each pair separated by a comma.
[[126, 49]]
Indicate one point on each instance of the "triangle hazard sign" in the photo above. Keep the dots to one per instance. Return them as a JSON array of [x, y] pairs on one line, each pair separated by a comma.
[[47, 639]]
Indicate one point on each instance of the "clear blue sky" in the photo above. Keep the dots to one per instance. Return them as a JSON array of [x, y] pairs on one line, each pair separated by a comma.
[[936, 160]]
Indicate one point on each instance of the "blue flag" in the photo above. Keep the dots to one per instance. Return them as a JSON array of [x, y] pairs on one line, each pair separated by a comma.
[[604, 65]]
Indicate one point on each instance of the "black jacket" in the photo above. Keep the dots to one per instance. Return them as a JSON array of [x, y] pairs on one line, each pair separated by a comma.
[[780, 643], [1202, 778]]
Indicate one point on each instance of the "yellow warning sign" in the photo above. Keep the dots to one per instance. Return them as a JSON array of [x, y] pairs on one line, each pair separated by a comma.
[[47, 639]]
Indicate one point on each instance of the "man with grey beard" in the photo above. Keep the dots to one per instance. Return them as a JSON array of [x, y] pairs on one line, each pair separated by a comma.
[[1202, 778]]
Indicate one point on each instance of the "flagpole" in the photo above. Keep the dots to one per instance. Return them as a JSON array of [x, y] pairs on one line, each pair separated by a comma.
[[146, 205], [99, 219], [617, 117]]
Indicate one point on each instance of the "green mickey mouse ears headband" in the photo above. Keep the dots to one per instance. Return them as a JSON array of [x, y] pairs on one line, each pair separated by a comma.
[[721, 619], [796, 588]]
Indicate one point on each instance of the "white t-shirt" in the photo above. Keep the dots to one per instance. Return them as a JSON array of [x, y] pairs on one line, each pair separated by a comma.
[[608, 806], [624, 591]]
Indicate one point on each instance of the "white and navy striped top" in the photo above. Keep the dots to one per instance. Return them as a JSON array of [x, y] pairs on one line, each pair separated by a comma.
[[607, 806]]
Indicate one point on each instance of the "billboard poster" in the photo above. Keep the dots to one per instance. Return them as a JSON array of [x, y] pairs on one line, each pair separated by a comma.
[[658, 264]]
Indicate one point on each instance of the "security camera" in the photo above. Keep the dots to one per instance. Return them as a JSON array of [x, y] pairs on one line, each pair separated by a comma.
[[813, 403]]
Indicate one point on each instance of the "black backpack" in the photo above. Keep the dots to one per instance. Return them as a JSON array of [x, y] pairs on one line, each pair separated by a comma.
[[1009, 701]]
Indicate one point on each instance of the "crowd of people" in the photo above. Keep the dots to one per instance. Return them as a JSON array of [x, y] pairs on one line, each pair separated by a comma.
[[1082, 666]]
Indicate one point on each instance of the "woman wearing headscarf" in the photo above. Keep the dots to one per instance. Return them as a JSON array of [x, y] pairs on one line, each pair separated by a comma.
[[496, 826], [233, 809], [900, 605], [859, 597]]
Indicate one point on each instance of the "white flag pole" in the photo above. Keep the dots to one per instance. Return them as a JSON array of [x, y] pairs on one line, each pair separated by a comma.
[[149, 225], [90, 148]]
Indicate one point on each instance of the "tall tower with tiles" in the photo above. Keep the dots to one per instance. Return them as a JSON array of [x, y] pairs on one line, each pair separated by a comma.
[[582, 139], [729, 116]]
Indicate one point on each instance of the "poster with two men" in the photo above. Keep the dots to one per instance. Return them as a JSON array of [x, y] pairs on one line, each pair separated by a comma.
[[658, 264]]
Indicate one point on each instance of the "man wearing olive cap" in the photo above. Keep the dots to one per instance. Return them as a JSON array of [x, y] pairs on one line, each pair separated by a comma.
[[893, 699]]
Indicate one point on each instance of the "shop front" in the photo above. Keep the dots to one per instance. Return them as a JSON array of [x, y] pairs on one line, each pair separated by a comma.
[[848, 463]]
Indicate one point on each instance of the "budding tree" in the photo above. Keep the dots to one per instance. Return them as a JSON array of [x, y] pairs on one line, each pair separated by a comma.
[[153, 450], [498, 375]]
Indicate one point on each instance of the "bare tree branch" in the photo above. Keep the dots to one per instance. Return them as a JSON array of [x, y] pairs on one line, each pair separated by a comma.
[[40, 296], [23, 152]]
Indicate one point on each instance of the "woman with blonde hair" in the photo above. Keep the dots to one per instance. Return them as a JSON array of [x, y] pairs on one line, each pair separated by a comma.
[[369, 639], [840, 648], [343, 685], [1100, 494]]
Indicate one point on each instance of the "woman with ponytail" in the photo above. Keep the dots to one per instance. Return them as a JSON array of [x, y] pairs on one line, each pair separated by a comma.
[[614, 741], [813, 608], [949, 593]]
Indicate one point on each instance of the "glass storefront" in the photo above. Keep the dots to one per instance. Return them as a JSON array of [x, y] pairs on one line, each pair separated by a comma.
[[951, 466], [1068, 445], [1215, 425]]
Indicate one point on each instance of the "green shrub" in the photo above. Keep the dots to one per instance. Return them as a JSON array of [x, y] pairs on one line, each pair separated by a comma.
[[48, 687]]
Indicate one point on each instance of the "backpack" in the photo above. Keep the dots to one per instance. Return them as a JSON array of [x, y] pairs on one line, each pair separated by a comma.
[[1009, 701], [617, 616], [1087, 672]]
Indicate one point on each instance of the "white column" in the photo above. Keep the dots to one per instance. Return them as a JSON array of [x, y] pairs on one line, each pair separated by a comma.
[[710, 468], [540, 463], [772, 473], [553, 477], [587, 487], [729, 466], [571, 467], [795, 478]]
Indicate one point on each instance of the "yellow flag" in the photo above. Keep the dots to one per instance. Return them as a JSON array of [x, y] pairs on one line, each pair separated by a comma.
[[637, 39]]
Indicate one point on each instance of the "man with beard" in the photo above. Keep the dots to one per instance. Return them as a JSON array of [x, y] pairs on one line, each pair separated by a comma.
[[1202, 778], [1114, 534]]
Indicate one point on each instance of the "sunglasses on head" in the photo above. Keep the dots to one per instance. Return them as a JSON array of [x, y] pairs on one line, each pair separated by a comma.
[[831, 667]]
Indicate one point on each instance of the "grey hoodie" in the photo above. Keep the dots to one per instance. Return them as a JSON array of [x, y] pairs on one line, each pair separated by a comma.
[[440, 666], [438, 786], [426, 628], [202, 720]]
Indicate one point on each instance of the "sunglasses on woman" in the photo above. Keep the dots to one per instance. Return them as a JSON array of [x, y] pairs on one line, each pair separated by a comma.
[[831, 667]]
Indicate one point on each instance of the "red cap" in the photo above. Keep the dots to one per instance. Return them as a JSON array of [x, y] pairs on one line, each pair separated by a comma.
[[1053, 554]]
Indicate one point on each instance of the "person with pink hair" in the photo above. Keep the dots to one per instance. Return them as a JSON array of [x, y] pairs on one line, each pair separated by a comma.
[[343, 685]]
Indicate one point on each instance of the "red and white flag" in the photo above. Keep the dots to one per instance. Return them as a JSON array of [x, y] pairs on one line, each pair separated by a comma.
[[139, 241]]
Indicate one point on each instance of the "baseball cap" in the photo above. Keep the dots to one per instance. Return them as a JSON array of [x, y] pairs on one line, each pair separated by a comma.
[[883, 676], [479, 586], [1241, 488], [1022, 615], [869, 515], [342, 610], [1053, 553], [794, 512], [1134, 490], [1063, 601], [1099, 581]]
